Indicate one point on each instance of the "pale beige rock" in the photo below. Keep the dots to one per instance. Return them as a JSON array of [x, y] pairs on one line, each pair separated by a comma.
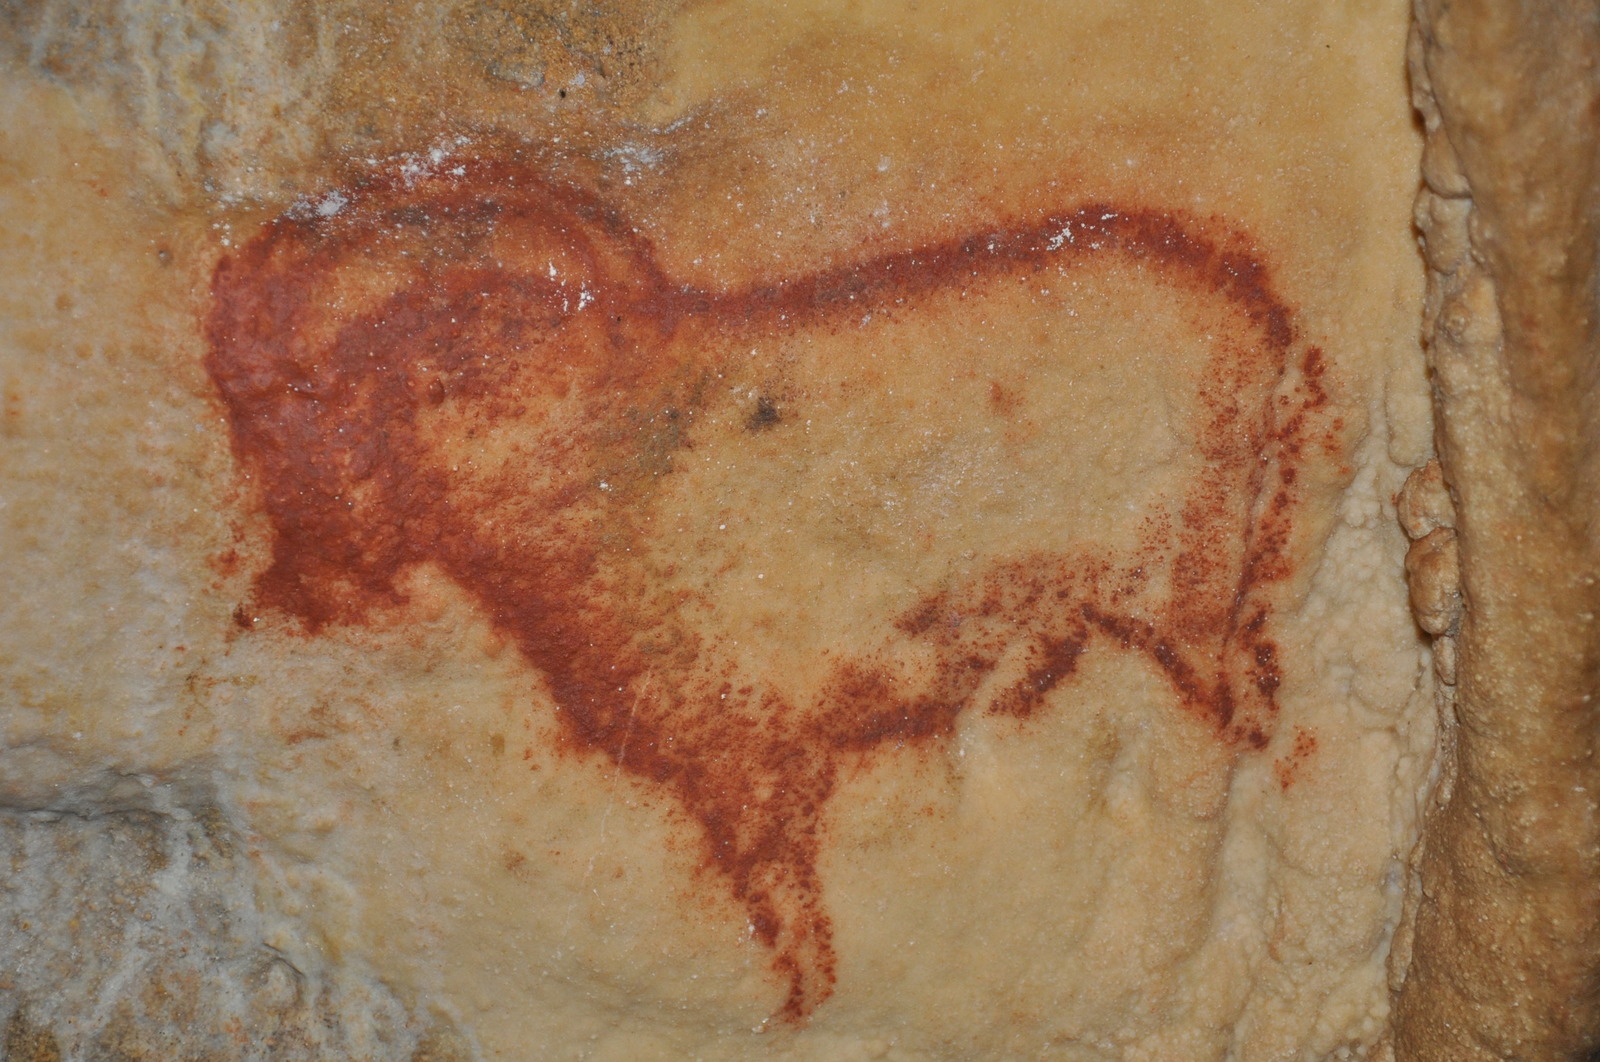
[[1433, 563], [1424, 503], [413, 867], [1508, 925]]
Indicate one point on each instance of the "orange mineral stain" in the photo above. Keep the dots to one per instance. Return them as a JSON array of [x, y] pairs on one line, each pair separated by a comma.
[[355, 345]]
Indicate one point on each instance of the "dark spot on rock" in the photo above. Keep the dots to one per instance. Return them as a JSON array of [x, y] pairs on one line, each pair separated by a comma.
[[764, 416], [27, 1042]]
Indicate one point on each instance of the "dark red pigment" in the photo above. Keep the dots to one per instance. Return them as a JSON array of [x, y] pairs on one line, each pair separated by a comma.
[[483, 291]]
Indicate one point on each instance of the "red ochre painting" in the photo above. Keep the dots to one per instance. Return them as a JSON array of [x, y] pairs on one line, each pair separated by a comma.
[[475, 293]]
